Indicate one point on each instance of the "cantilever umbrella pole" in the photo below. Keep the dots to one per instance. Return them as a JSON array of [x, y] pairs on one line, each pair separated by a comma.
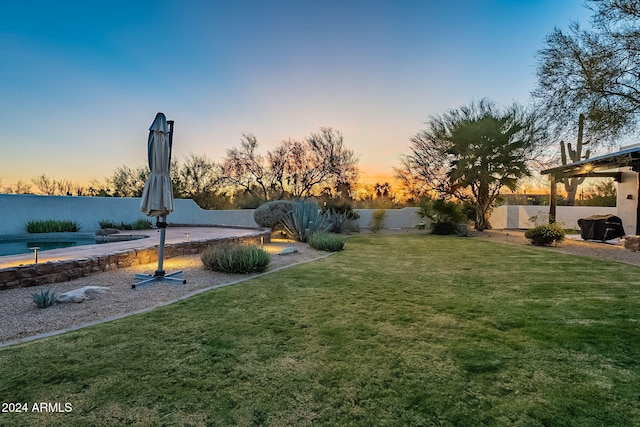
[[163, 234], [160, 275], [161, 219]]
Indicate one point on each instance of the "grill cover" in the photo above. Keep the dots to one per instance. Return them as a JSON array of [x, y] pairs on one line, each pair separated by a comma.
[[601, 227]]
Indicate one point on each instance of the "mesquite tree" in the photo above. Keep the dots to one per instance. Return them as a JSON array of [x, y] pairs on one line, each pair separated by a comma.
[[594, 71]]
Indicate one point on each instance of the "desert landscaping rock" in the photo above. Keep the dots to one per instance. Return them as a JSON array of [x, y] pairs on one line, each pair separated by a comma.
[[287, 251], [82, 294]]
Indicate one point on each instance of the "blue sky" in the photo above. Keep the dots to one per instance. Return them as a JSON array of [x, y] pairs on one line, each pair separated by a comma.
[[81, 81]]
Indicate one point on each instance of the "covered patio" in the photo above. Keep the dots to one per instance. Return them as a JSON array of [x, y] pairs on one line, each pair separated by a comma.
[[623, 166]]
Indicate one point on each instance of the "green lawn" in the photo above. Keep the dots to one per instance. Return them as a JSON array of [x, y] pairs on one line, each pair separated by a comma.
[[403, 330]]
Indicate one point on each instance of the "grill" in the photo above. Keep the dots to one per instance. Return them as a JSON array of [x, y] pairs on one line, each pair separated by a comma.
[[601, 227]]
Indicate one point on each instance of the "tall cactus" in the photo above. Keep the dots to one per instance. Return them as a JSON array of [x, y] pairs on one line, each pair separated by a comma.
[[571, 184]]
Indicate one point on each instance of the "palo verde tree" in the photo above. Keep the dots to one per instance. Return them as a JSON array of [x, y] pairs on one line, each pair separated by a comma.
[[595, 72], [472, 152]]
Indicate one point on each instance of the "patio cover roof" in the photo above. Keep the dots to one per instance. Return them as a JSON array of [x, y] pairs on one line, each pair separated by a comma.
[[629, 157]]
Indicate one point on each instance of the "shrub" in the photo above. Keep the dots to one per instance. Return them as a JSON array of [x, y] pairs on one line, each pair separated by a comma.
[[326, 242], [142, 224], [337, 221], [51, 226], [341, 217], [271, 214], [446, 217], [377, 220], [43, 299], [107, 223], [545, 235], [233, 258], [139, 224], [125, 226], [304, 219]]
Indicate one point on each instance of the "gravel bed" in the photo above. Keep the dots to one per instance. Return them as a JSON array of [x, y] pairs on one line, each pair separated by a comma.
[[20, 319], [604, 251]]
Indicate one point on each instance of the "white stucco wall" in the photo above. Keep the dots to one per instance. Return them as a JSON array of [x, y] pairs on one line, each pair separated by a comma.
[[394, 218], [628, 187], [518, 217], [17, 209], [514, 217]]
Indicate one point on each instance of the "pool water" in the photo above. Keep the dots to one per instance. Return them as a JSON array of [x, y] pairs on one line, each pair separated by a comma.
[[15, 245], [22, 247]]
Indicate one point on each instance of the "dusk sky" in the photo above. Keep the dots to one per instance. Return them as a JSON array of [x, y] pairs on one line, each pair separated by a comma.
[[81, 81]]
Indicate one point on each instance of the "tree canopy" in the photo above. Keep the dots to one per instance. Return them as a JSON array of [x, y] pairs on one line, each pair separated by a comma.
[[471, 153], [297, 169], [594, 71]]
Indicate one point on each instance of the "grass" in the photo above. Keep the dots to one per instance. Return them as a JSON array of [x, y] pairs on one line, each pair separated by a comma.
[[396, 330]]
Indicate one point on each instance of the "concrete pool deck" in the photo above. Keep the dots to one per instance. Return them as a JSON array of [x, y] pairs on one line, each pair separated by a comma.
[[67, 263]]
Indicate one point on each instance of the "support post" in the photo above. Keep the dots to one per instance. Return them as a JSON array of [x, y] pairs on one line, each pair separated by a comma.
[[552, 200], [637, 204], [162, 225]]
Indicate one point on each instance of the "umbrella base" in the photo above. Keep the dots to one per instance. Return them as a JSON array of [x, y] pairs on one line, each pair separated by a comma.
[[159, 276]]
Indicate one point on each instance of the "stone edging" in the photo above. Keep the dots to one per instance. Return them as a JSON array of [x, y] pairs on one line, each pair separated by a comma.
[[61, 271]]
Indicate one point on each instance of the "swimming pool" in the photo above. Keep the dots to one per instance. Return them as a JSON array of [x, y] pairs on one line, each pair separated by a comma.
[[15, 245]]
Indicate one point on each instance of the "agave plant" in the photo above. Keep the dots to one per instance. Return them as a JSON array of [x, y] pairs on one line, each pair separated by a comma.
[[45, 298], [304, 219]]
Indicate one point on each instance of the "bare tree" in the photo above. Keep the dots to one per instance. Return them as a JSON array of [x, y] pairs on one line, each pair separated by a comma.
[[79, 190], [321, 161], [245, 168], [64, 187], [297, 168], [22, 187], [45, 185], [339, 163]]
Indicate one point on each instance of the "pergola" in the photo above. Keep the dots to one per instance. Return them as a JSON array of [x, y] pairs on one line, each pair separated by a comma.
[[597, 167]]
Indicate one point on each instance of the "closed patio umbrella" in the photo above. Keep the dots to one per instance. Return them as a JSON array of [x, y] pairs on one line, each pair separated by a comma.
[[157, 197]]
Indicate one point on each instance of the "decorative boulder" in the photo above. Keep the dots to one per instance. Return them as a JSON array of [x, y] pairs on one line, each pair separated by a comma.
[[79, 295], [107, 231], [632, 243], [271, 214], [289, 250]]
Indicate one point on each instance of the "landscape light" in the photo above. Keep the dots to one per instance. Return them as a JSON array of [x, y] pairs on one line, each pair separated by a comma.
[[35, 252]]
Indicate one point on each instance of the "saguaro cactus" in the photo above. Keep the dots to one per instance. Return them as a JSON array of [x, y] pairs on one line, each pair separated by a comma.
[[571, 184]]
